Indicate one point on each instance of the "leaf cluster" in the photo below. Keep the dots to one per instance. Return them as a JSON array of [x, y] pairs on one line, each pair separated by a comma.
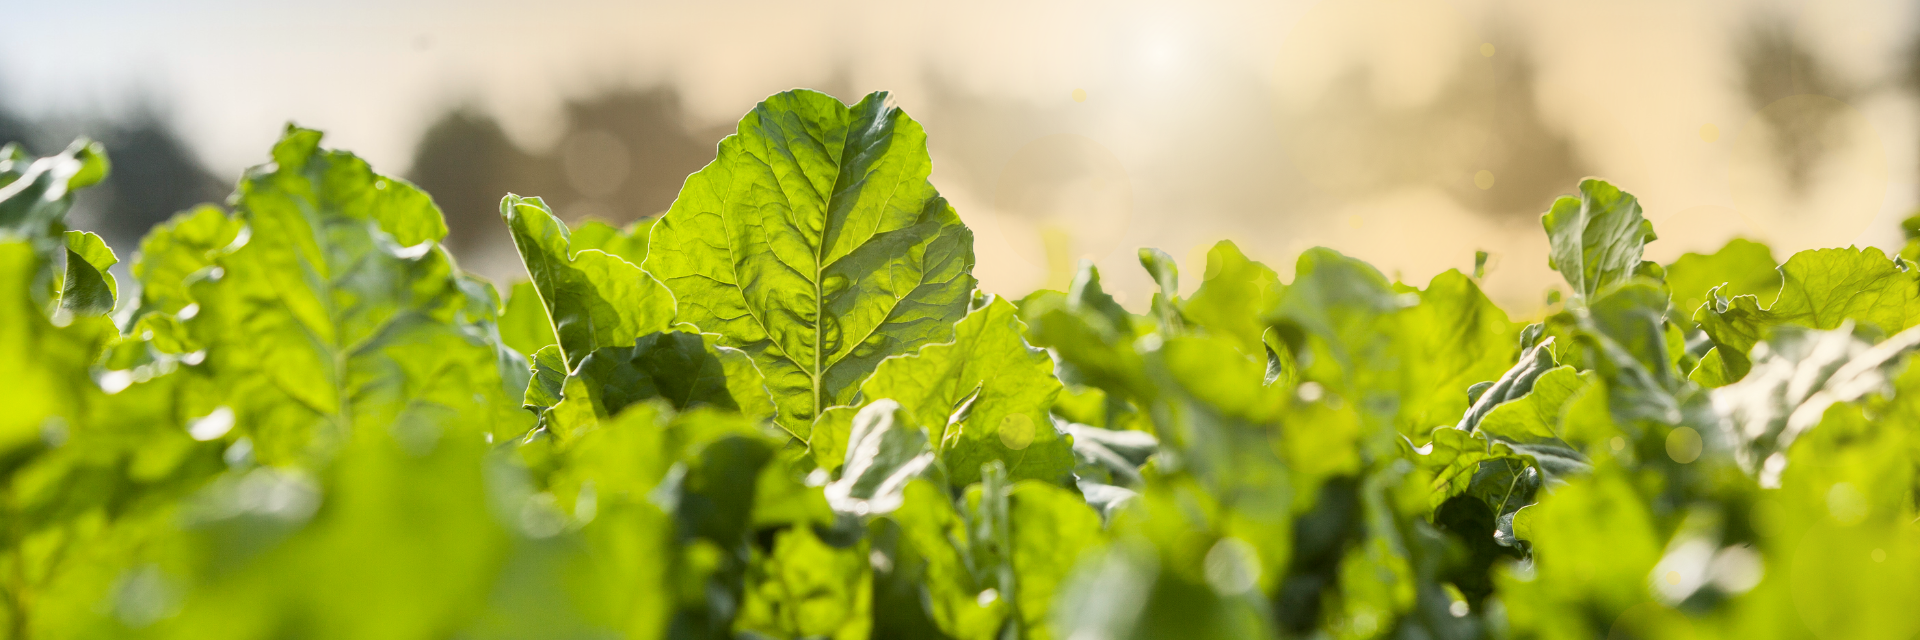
[[784, 409]]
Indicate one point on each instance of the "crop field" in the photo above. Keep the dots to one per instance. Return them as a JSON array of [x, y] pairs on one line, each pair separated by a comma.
[[784, 409]]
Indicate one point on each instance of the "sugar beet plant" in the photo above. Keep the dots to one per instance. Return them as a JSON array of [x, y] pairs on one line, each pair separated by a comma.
[[784, 410]]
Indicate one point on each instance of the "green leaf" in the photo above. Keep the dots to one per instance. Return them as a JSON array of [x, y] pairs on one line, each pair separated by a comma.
[[1596, 238], [985, 396], [1605, 545], [1633, 319], [954, 582], [1745, 267], [1111, 457], [548, 381], [1712, 371], [1052, 529], [1512, 385], [1166, 302], [391, 540], [342, 311], [593, 299], [1348, 305], [804, 588], [46, 365], [1535, 417], [523, 321], [1090, 336], [686, 369], [1452, 339], [1734, 325], [88, 289], [1820, 289], [1232, 296], [815, 243], [629, 243], [34, 199], [885, 451], [1824, 287], [177, 249]]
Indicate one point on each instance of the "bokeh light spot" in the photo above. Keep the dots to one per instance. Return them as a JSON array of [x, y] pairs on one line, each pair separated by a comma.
[[1486, 49], [1079, 95], [1016, 431], [1845, 504], [1710, 132], [1683, 445], [1483, 179], [1618, 443]]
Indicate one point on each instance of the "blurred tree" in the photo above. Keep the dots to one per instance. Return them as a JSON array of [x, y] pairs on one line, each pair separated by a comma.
[[1910, 72], [1482, 138], [154, 176], [11, 129], [626, 153], [1530, 161], [622, 156], [1776, 64], [466, 161]]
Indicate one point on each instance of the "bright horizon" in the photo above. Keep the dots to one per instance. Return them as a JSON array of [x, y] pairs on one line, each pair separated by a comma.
[[1184, 125]]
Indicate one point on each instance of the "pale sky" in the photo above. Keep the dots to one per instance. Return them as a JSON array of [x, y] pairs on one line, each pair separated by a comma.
[[1188, 122]]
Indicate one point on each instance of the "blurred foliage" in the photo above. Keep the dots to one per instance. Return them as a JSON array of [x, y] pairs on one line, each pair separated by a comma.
[[784, 411]]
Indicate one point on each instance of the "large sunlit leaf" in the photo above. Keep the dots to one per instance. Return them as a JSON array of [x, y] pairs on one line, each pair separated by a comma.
[[815, 243]]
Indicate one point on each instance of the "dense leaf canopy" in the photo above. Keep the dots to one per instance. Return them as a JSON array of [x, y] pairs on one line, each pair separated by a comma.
[[784, 410]]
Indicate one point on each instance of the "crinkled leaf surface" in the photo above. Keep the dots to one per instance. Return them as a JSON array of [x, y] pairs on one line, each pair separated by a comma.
[[1825, 287], [1745, 267], [593, 299], [815, 243], [1597, 237], [982, 397], [1820, 289], [343, 309], [176, 249]]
